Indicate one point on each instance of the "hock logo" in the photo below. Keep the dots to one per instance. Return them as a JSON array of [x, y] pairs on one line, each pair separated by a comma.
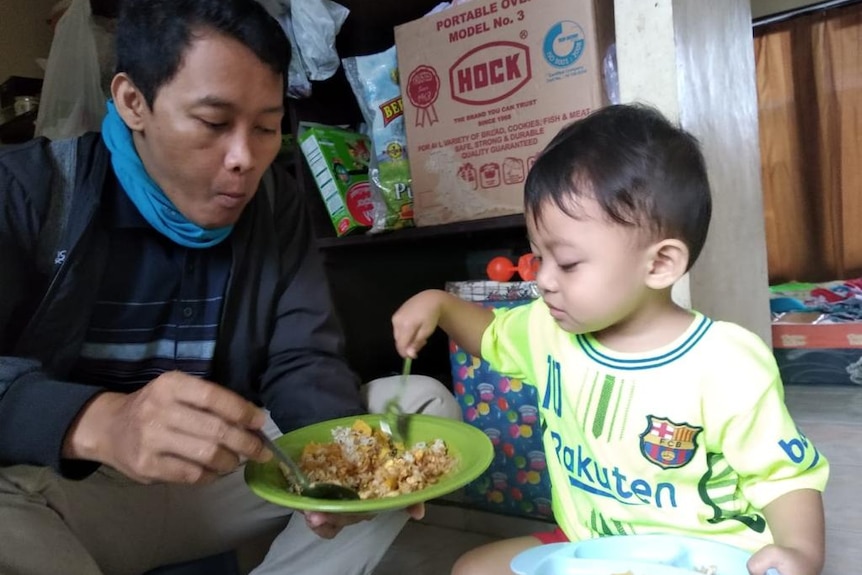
[[490, 72]]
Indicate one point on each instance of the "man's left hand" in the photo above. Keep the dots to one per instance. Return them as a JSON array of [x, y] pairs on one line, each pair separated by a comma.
[[328, 525]]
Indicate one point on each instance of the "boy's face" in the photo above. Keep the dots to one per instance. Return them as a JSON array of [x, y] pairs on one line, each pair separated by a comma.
[[213, 130], [592, 270]]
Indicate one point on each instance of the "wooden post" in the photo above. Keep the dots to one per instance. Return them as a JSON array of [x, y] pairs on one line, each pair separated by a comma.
[[694, 61]]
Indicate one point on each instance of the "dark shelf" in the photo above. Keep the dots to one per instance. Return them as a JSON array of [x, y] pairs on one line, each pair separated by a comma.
[[514, 221]]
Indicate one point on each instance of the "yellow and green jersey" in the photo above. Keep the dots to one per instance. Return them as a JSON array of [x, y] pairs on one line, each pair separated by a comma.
[[693, 438]]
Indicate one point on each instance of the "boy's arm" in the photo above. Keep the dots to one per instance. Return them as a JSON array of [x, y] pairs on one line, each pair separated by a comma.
[[797, 525], [419, 316]]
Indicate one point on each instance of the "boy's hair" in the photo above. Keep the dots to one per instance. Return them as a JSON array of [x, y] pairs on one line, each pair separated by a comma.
[[642, 170], [153, 35]]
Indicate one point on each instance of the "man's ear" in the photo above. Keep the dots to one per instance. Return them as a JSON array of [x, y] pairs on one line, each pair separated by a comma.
[[668, 260], [130, 103]]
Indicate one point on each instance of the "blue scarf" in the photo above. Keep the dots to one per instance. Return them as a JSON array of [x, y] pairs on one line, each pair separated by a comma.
[[150, 200]]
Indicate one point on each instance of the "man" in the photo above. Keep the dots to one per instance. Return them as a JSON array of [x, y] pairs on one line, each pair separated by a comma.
[[173, 302]]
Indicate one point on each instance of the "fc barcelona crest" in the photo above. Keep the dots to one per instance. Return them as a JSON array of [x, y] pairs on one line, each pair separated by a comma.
[[667, 444]]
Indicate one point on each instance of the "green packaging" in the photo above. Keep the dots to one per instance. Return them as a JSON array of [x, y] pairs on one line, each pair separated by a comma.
[[338, 160]]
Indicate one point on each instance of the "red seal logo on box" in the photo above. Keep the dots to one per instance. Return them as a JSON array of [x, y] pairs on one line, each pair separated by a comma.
[[423, 87]]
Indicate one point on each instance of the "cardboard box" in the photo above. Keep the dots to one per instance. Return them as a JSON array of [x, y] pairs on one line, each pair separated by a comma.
[[485, 87], [338, 160], [812, 353]]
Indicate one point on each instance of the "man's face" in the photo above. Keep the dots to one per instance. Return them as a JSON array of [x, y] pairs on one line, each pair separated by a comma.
[[213, 130]]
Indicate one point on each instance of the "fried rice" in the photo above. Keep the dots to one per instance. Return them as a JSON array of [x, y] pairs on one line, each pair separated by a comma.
[[368, 461]]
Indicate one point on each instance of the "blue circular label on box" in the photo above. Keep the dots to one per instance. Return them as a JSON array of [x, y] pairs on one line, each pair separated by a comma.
[[564, 44]]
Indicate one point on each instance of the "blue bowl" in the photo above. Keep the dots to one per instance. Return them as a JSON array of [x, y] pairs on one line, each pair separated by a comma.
[[635, 554]]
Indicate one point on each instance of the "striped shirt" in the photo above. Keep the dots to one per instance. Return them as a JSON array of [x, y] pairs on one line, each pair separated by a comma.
[[158, 307]]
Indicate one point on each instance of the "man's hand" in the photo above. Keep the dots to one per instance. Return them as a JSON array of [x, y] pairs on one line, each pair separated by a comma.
[[178, 428], [328, 525]]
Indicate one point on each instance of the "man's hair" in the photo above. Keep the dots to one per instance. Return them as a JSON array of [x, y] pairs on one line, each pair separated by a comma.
[[153, 36], [642, 170]]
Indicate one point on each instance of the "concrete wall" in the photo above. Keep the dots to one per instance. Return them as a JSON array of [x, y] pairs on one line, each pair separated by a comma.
[[24, 36]]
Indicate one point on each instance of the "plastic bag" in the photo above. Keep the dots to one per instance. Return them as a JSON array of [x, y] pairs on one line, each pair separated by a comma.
[[610, 76], [316, 23], [72, 101], [374, 79], [297, 84]]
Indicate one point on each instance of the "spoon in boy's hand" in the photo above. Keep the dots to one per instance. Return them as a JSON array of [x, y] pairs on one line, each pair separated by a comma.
[[395, 421], [316, 490]]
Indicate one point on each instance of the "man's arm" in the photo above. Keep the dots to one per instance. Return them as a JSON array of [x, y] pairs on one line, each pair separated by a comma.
[[35, 409]]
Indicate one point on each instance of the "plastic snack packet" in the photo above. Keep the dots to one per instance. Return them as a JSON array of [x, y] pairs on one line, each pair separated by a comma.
[[374, 80]]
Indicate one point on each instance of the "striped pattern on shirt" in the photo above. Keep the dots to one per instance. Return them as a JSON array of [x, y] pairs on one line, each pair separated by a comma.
[[158, 307]]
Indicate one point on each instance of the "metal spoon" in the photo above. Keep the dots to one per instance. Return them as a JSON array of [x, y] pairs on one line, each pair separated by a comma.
[[317, 490], [395, 421]]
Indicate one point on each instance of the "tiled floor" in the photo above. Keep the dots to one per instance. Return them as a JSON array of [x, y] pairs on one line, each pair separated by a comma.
[[830, 416]]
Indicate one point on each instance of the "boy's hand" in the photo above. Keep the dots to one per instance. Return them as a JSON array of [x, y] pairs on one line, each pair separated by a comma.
[[796, 522], [785, 560], [415, 321]]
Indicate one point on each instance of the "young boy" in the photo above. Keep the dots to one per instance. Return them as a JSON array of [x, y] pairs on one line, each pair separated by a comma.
[[655, 418]]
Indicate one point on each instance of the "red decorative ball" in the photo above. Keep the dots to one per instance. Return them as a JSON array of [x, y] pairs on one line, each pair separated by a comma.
[[528, 267], [500, 269]]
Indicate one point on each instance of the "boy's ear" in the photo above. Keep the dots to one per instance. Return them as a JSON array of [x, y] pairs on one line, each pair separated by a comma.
[[668, 260], [130, 103]]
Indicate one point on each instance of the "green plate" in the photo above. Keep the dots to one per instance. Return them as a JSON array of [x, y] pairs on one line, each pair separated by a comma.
[[470, 446]]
